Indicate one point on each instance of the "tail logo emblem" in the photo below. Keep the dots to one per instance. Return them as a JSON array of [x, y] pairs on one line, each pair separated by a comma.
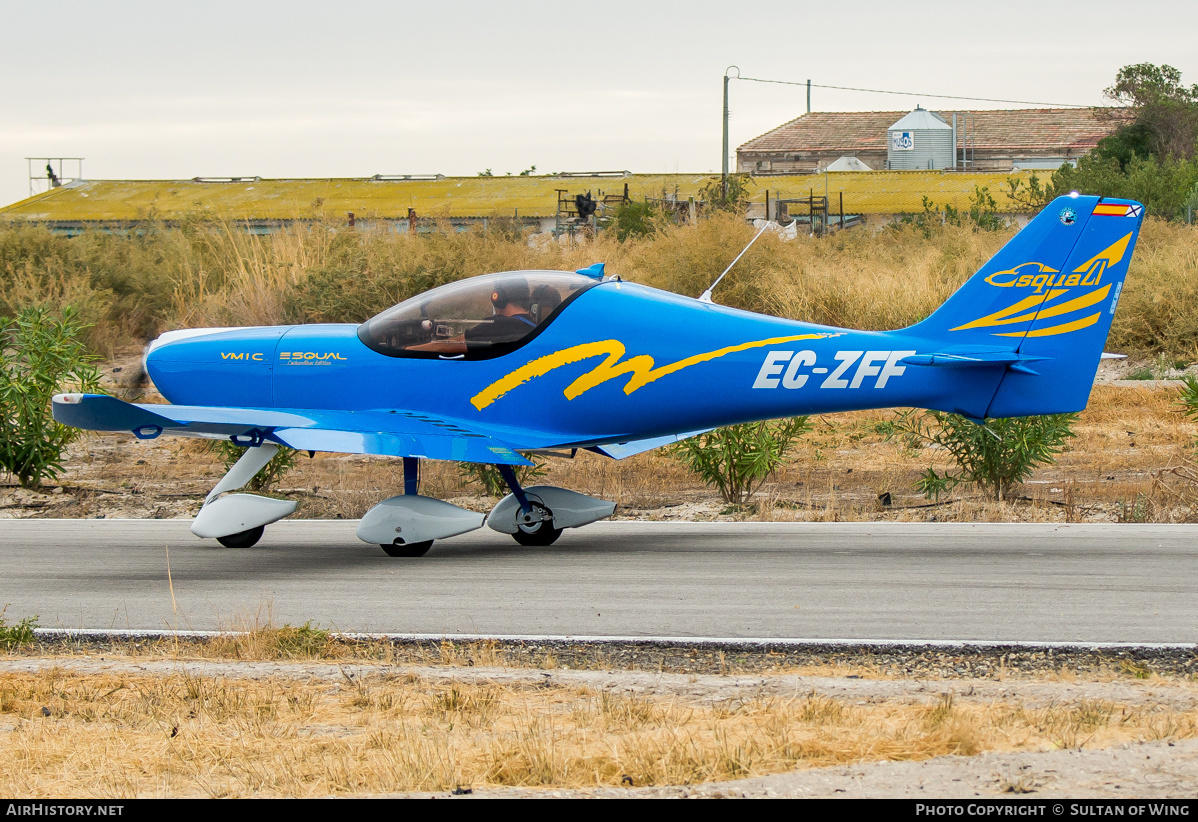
[[1068, 216], [1039, 305]]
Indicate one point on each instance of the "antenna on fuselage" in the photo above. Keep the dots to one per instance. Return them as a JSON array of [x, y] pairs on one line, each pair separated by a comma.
[[705, 297]]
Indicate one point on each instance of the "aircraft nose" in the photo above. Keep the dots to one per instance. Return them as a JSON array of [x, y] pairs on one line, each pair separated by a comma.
[[169, 338], [221, 366]]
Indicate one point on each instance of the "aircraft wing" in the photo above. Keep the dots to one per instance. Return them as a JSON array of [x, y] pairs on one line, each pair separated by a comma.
[[387, 433], [621, 450]]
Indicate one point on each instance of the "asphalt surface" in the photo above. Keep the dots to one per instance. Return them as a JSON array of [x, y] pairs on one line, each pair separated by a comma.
[[865, 581]]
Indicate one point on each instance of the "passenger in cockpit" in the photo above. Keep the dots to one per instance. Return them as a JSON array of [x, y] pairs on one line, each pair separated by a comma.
[[545, 300]]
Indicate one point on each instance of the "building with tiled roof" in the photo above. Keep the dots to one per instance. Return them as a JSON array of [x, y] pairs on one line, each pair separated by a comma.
[[999, 140]]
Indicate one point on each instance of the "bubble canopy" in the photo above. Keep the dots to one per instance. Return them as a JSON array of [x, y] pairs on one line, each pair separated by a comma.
[[478, 318]]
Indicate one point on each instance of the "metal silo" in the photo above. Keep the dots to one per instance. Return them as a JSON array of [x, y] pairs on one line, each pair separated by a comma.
[[921, 140]]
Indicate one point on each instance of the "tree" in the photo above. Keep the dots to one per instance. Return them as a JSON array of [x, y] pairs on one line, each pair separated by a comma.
[[1161, 117], [732, 195]]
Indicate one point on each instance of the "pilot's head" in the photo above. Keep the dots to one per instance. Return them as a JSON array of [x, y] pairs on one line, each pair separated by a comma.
[[511, 296]]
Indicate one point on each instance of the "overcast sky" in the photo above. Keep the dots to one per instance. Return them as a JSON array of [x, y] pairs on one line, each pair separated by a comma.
[[349, 88]]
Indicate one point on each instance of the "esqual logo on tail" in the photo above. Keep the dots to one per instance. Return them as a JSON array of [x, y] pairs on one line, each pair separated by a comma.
[[1048, 296]]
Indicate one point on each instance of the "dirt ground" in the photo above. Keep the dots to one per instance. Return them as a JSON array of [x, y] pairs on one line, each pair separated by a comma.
[[1130, 462]]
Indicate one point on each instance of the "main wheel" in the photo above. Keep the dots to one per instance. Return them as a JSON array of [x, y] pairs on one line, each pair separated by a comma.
[[412, 549], [541, 532], [243, 539]]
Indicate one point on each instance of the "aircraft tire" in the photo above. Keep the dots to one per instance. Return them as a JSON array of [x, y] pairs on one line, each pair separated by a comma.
[[242, 539], [412, 549], [546, 534]]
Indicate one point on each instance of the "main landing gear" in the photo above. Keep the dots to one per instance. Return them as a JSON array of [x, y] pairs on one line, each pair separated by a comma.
[[411, 549], [537, 515], [407, 525]]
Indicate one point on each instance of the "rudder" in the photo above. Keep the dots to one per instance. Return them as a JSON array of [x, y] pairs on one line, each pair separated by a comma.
[[1070, 328]]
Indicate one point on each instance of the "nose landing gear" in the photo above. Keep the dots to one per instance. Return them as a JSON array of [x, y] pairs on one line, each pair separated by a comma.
[[238, 520], [243, 539]]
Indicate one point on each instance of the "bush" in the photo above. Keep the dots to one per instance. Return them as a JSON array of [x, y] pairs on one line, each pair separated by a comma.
[[994, 457], [40, 356], [1188, 396], [1162, 185], [727, 194], [308, 641], [15, 636], [492, 481], [982, 214], [738, 458], [271, 474], [635, 219]]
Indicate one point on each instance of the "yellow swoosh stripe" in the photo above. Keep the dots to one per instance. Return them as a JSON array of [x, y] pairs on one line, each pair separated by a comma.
[[1003, 316], [1084, 301], [1113, 253], [1053, 330], [640, 367]]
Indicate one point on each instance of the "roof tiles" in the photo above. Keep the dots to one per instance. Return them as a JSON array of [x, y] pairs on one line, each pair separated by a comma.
[[1005, 130]]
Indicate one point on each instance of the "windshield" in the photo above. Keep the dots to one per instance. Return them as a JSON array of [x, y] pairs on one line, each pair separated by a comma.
[[476, 318]]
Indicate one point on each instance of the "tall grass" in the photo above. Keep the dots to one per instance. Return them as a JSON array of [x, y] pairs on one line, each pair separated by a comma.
[[214, 273]]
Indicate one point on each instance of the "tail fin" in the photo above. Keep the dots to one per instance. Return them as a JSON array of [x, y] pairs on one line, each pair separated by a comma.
[[1049, 296]]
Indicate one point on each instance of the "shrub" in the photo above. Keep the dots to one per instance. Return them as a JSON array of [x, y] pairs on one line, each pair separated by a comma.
[[727, 194], [1188, 396], [738, 458], [635, 219], [40, 356], [308, 641], [994, 457], [492, 481], [15, 636]]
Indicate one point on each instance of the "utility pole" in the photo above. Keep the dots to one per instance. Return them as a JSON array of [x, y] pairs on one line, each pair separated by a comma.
[[808, 96], [724, 163]]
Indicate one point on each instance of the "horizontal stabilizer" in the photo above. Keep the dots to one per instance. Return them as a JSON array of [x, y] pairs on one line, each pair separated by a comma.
[[972, 359]]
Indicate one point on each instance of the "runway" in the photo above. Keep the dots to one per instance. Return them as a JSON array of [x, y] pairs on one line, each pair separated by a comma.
[[863, 581]]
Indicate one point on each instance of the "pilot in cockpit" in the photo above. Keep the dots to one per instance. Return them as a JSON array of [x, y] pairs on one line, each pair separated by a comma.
[[512, 304]]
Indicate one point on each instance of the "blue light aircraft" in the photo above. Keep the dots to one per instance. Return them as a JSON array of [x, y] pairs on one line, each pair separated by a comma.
[[533, 361]]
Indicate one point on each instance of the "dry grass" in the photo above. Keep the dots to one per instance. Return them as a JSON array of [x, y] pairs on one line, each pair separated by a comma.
[[123, 736], [213, 273]]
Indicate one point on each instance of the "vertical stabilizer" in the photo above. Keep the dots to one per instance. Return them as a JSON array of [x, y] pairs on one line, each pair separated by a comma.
[[1048, 296]]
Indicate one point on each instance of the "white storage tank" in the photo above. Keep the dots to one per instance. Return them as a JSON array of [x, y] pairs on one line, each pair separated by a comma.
[[919, 141]]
